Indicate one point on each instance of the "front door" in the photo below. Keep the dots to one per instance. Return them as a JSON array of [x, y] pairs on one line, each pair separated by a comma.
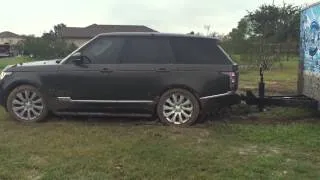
[[89, 83], [85, 82]]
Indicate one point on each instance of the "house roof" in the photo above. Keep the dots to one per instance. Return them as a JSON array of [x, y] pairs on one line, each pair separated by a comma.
[[95, 29], [8, 34], [157, 34]]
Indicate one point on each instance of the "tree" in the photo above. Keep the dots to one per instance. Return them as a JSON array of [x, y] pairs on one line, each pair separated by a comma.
[[242, 32], [291, 23], [275, 24], [58, 29], [237, 41], [56, 33], [49, 45], [50, 36], [267, 25]]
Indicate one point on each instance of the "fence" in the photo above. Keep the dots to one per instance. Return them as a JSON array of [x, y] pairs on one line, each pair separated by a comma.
[[252, 55]]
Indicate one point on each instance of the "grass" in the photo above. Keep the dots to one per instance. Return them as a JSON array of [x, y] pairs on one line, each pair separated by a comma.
[[5, 61], [100, 149], [282, 143], [278, 81]]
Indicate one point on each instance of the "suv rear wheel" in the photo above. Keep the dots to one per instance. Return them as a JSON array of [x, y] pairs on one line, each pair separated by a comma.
[[178, 107], [26, 104]]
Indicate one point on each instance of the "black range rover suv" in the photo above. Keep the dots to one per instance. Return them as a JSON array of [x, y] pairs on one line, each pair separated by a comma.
[[175, 77]]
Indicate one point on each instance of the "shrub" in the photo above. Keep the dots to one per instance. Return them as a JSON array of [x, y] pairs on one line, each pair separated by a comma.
[[42, 48]]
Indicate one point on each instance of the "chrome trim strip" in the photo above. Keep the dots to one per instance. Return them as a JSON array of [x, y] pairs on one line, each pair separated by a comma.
[[68, 99], [65, 99], [218, 95]]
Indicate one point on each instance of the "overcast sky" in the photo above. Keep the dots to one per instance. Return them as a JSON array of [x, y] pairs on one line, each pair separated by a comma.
[[178, 16]]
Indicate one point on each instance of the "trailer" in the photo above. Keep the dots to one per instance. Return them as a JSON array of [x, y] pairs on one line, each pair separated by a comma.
[[308, 95], [309, 66]]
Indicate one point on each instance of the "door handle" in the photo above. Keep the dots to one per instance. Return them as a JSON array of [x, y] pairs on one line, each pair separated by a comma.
[[106, 70], [162, 70]]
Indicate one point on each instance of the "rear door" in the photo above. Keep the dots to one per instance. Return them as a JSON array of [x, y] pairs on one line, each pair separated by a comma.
[[143, 68], [203, 65]]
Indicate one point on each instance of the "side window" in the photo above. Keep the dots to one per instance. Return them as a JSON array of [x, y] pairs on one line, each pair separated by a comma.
[[147, 50], [104, 50], [198, 51]]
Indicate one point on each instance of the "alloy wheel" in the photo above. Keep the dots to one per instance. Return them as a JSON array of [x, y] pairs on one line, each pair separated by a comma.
[[178, 109], [27, 105]]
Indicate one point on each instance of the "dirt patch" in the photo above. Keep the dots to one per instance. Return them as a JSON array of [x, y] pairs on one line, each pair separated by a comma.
[[32, 174], [248, 150], [254, 150], [256, 120], [37, 160]]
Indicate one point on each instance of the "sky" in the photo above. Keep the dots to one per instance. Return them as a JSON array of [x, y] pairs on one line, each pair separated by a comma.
[[175, 16]]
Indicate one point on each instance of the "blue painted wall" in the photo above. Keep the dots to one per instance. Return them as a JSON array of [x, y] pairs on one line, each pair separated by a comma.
[[310, 39]]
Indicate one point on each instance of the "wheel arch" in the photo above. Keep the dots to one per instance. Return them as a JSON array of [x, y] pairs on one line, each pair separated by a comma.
[[179, 86]]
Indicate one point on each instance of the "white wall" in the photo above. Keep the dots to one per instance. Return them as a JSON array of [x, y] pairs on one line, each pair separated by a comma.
[[11, 41]]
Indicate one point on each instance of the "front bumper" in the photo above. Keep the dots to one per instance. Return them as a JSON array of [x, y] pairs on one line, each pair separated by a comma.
[[211, 103]]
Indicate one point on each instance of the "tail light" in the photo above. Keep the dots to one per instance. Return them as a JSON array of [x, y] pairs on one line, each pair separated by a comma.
[[233, 80]]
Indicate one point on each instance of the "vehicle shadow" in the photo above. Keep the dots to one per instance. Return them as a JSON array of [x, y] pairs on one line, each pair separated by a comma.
[[106, 120], [130, 121], [237, 115]]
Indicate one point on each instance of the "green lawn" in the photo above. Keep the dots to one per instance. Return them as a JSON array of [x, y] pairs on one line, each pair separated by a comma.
[[282, 143], [5, 61], [278, 81], [100, 149]]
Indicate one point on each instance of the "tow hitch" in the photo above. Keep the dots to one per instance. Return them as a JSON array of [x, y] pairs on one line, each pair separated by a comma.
[[285, 101]]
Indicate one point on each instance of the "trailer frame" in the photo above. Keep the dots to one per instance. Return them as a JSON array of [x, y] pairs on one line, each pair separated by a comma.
[[285, 101]]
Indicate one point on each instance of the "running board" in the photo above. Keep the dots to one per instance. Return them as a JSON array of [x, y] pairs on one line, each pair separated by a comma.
[[99, 114]]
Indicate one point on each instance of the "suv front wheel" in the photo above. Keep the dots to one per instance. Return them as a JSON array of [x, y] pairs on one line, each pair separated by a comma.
[[178, 107], [26, 104]]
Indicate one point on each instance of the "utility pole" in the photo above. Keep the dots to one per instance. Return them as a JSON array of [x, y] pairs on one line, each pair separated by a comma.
[[207, 27]]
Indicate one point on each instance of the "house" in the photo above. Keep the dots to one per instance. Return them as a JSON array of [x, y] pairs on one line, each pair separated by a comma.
[[10, 38], [7, 42], [80, 35]]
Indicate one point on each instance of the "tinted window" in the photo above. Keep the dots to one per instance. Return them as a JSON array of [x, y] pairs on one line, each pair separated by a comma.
[[104, 50], [198, 51], [147, 50]]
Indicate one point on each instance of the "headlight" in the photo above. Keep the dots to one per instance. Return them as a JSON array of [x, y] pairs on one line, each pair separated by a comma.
[[4, 74]]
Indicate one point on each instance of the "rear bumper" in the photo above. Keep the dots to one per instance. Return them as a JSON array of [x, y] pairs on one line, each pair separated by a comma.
[[211, 103]]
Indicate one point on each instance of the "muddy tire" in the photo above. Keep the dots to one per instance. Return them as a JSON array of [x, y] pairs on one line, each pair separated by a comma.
[[178, 107], [26, 104]]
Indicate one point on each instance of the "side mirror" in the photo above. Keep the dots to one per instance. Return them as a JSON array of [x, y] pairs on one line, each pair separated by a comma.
[[77, 58]]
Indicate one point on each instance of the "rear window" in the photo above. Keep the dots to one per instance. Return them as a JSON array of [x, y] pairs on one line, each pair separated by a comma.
[[147, 50], [198, 51]]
